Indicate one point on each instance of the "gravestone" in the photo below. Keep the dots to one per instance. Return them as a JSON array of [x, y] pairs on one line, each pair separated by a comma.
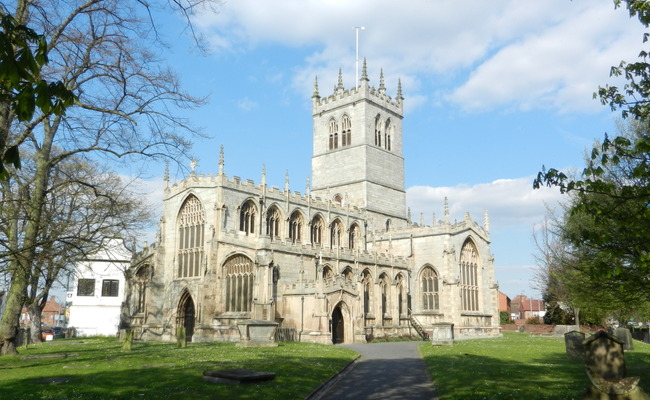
[[257, 333], [442, 334], [574, 342], [624, 335], [561, 330], [181, 338], [605, 364], [604, 356]]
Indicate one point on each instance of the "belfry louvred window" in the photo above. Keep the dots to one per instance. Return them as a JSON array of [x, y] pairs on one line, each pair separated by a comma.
[[346, 131], [334, 135]]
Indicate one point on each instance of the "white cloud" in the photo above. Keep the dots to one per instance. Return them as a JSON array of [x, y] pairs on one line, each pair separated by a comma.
[[509, 202], [500, 54], [558, 67], [246, 104], [514, 208]]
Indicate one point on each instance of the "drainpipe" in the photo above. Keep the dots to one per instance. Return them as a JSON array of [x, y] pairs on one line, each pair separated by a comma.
[[302, 316]]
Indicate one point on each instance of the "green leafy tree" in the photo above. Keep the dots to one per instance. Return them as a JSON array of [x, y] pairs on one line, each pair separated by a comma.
[[596, 259], [609, 216], [23, 54]]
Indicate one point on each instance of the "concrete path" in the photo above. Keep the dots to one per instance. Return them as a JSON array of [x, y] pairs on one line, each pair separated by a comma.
[[384, 371]]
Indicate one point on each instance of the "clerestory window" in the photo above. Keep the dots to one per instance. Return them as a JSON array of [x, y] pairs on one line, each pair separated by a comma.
[[295, 227], [273, 218], [247, 215]]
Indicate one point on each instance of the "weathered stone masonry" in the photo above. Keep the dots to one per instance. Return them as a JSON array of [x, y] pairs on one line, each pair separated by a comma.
[[339, 263]]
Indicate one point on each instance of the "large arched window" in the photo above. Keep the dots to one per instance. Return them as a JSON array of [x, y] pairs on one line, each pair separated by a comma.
[[429, 289], [247, 217], [469, 261], [191, 226], [384, 288], [317, 230], [295, 227], [346, 131], [336, 230], [378, 128], [238, 271], [366, 283], [142, 278], [400, 285], [273, 219], [353, 240], [334, 134]]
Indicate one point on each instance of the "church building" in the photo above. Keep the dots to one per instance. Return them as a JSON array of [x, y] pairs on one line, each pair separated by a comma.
[[341, 263]]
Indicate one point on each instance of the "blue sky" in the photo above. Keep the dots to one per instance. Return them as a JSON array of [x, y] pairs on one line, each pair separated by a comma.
[[493, 91]]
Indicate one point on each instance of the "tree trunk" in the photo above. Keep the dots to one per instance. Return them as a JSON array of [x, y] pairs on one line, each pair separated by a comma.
[[11, 317], [35, 322], [576, 313], [21, 263]]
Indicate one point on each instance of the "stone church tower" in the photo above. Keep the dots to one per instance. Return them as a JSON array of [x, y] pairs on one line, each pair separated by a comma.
[[357, 154], [341, 263]]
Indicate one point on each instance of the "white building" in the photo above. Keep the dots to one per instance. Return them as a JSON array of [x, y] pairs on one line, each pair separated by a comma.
[[98, 290]]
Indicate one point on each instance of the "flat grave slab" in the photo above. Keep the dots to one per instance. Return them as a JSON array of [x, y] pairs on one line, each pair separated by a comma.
[[237, 376]]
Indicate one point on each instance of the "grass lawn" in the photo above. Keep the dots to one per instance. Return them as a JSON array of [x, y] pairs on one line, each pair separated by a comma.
[[99, 369], [517, 366]]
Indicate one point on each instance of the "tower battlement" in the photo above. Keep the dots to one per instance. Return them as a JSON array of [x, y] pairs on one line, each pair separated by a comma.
[[342, 97]]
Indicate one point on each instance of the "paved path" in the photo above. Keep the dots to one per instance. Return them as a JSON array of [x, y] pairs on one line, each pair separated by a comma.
[[384, 371]]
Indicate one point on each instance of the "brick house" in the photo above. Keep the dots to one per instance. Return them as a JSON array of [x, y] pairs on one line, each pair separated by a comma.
[[523, 308]]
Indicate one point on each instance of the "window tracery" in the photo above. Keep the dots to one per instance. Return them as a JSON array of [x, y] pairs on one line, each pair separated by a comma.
[[273, 219], [429, 289], [384, 288], [354, 236], [334, 135], [247, 217], [346, 131], [378, 126], [191, 227], [469, 261], [142, 279], [335, 234], [316, 230], [366, 283], [238, 271], [295, 227]]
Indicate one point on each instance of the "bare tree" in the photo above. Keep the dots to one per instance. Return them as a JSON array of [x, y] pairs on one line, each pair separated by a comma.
[[554, 259], [127, 107], [85, 203]]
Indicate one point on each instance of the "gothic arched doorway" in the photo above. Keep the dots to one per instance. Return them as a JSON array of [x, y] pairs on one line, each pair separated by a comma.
[[338, 325], [186, 315]]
